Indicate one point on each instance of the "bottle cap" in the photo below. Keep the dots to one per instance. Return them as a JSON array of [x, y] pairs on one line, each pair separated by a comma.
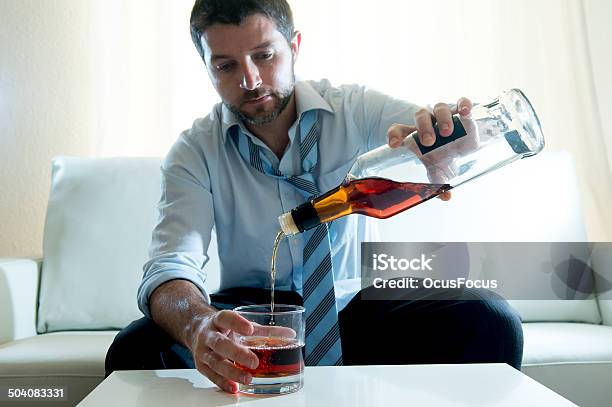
[[287, 224]]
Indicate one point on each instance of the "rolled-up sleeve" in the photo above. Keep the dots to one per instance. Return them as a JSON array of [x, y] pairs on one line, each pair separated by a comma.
[[182, 235]]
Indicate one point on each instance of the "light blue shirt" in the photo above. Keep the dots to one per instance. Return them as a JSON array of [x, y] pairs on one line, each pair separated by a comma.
[[206, 183]]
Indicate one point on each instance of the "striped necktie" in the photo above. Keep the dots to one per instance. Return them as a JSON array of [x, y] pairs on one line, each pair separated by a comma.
[[323, 347]]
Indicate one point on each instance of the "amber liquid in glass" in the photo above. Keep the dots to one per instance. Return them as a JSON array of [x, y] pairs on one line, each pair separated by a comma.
[[277, 356]]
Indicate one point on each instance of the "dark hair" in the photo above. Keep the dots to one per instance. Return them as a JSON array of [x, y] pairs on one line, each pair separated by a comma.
[[208, 12]]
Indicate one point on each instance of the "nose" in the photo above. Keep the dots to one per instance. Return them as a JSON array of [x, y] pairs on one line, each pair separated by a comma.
[[250, 76]]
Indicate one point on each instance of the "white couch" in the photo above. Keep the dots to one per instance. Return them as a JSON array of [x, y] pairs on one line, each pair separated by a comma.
[[59, 315]]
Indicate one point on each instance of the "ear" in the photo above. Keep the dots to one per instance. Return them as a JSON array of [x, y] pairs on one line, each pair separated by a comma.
[[295, 44]]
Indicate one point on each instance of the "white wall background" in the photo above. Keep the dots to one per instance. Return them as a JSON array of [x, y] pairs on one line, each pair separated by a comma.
[[121, 77]]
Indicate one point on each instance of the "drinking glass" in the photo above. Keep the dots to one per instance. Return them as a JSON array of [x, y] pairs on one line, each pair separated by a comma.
[[278, 342]]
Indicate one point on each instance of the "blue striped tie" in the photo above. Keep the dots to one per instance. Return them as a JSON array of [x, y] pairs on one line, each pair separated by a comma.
[[323, 347]]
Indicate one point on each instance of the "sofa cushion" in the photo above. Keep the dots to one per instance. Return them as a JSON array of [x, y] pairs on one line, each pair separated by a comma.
[[557, 310], [71, 360], [98, 228], [100, 217], [606, 310], [522, 202], [602, 264], [573, 359], [57, 354], [552, 342]]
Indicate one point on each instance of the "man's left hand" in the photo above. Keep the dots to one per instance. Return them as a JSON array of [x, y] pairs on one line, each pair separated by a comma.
[[424, 119]]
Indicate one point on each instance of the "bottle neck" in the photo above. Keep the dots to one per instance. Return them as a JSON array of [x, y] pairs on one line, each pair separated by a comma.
[[300, 219], [305, 216]]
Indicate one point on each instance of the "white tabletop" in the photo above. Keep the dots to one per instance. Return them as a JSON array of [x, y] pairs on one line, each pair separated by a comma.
[[490, 385]]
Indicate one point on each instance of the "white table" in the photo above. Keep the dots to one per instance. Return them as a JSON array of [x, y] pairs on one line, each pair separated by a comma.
[[490, 385]]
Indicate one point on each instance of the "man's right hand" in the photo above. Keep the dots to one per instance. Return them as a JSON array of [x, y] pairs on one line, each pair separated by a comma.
[[180, 309], [213, 348]]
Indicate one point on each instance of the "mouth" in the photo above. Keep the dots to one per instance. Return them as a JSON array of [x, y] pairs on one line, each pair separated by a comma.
[[259, 100]]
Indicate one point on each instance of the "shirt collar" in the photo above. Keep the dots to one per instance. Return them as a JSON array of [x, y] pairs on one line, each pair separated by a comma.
[[306, 99]]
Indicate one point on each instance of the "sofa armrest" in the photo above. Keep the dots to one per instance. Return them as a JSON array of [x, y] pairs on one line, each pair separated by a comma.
[[18, 298]]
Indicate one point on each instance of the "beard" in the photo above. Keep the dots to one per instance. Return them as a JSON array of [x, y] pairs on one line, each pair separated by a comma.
[[280, 97]]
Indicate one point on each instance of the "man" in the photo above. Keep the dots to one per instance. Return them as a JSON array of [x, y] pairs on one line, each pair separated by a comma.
[[233, 169]]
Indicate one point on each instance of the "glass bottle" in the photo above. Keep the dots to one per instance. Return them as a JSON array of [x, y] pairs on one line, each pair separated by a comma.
[[492, 136]]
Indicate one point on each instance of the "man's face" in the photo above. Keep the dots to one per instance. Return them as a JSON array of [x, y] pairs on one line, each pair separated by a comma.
[[251, 67]]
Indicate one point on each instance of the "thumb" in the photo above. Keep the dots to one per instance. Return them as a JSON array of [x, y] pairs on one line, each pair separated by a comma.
[[397, 133]]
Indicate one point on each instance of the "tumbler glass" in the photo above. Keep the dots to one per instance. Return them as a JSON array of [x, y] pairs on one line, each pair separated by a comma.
[[278, 342]]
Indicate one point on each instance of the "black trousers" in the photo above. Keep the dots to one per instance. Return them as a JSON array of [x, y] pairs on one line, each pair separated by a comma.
[[469, 326]]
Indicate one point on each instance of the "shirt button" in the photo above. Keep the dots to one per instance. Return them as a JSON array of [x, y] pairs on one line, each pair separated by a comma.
[[296, 243]]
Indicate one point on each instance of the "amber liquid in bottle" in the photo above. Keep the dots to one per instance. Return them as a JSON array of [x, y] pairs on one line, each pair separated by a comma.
[[374, 196]]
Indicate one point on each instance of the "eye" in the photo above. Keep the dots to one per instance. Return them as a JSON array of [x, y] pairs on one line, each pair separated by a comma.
[[264, 56], [226, 67]]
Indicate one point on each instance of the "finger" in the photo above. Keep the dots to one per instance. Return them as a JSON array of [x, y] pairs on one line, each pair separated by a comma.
[[397, 133], [223, 383], [226, 348], [444, 119], [233, 321], [225, 368], [424, 126], [464, 107], [445, 196], [267, 330]]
